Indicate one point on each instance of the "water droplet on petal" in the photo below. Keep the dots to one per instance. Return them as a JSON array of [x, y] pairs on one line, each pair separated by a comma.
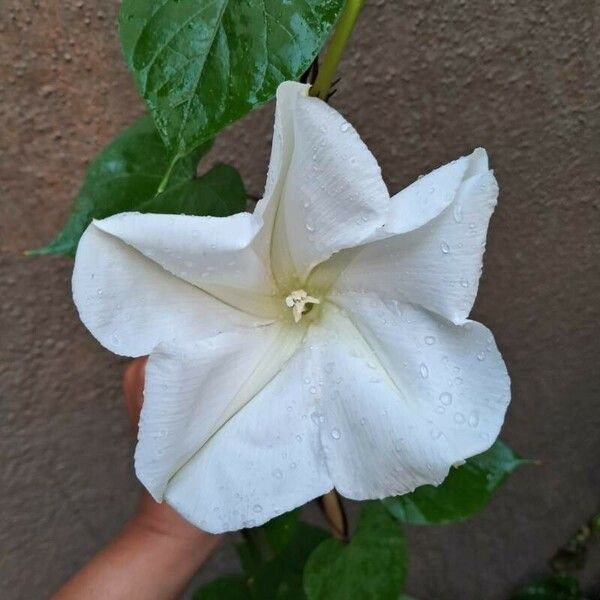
[[335, 433], [473, 419], [457, 213], [429, 340], [277, 474], [445, 248], [257, 508], [424, 371], [446, 398], [344, 126], [459, 418], [316, 417], [481, 356]]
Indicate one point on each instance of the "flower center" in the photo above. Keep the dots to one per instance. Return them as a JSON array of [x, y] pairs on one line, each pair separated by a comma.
[[300, 303]]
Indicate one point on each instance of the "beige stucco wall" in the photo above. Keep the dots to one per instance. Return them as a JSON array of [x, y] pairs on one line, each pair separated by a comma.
[[424, 82]]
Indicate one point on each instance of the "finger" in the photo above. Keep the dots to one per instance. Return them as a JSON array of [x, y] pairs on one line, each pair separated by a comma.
[[133, 389]]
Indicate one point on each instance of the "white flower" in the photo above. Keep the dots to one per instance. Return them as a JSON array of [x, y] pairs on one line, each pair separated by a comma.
[[320, 342]]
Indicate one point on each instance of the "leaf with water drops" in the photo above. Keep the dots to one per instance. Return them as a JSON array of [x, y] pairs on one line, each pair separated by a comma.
[[371, 565], [126, 175], [466, 490], [555, 587], [201, 65]]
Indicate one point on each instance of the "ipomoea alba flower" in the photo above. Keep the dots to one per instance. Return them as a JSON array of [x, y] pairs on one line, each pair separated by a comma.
[[320, 342]]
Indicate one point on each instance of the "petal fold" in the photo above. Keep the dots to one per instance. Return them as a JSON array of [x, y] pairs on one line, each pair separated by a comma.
[[430, 254], [324, 190], [192, 390], [410, 395], [264, 461], [130, 303]]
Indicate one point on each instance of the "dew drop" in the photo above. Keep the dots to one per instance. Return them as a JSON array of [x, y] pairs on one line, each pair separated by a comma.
[[481, 356], [298, 438], [445, 248], [115, 339], [316, 417], [277, 474], [313, 389], [464, 283], [335, 433], [99, 291], [257, 508], [424, 371], [446, 398], [329, 367], [459, 418], [344, 127], [429, 340], [473, 419], [457, 213], [436, 434]]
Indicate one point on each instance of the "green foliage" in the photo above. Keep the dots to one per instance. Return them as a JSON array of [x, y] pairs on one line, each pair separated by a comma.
[[371, 566], [555, 587], [229, 587], [273, 558], [466, 490], [126, 175], [202, 65]]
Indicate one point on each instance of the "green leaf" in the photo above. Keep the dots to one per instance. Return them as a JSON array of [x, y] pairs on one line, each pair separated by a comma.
[[201, 65], [126, 175], [371, 566], [230, 587], [466, 490], [556, 587], [218, 193], [281, 577]]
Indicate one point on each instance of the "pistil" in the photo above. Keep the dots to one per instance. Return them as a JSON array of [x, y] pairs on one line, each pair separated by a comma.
[[300, 303]]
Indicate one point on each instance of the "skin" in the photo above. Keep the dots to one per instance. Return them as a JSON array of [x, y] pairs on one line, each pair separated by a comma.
[[157, 552]]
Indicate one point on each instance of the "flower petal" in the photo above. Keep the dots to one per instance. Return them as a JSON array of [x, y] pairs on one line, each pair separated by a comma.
[[324, 190], [190, 393], [264, 461], [429, 195], [130, 304], [408, 396], [437, 264], [212, 253]]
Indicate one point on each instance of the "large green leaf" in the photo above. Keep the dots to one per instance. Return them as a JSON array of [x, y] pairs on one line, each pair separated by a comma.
[[273, 572], [371, 566], [202, 64], [217, 193], [280, 578], [555, 587], [466, 490], [126, 175]]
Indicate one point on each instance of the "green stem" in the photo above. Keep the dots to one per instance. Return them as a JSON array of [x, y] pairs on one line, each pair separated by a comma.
[[165, 180], [332, 58]]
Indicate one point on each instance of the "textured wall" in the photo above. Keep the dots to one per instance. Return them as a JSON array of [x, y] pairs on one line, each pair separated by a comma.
[[424, 82]]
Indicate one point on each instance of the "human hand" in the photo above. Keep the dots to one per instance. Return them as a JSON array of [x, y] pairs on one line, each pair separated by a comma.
[[157, 552]]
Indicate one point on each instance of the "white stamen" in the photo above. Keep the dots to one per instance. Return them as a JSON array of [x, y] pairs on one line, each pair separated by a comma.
[[297, 301]]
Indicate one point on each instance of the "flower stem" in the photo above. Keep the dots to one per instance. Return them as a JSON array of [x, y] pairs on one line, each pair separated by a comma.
[[334, 52], [332, 507]]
